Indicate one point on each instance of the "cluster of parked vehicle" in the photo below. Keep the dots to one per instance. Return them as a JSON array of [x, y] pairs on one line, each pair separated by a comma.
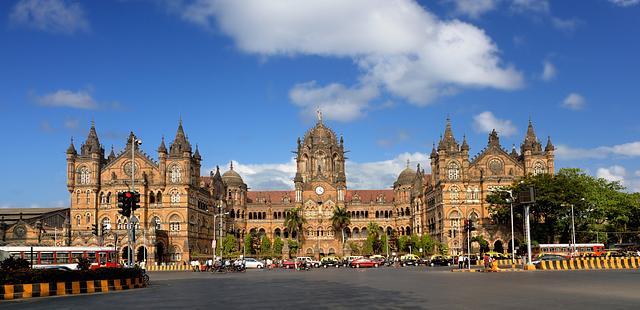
[[373, 261]]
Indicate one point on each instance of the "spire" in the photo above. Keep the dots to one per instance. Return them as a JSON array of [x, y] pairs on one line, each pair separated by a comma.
[[448, 142], [465, 145], [231, 165], [162, 148], [514, 153], [494, 140], [531, 142], [92, 144], [112, 155], [549, 147], [72, 149], [408, 162], [197, 154], [180, 143], [433, 150]]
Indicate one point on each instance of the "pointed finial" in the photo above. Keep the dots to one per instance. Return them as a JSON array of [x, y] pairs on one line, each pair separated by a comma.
[[93, 122], [231, 165], [408, 162]]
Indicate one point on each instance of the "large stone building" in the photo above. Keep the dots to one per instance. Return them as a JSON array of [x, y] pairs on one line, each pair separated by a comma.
[[179, 205], [34, 226]]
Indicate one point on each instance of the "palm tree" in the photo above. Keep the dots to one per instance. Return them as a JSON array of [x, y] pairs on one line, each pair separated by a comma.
[[340, 220], [293, 221]]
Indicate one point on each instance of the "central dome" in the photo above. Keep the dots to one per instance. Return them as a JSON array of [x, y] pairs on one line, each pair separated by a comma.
[[320, 134], [406, 176], [232, 178]]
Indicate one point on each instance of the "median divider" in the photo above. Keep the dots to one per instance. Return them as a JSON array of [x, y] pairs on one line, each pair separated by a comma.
[[170, 268], [591, 264], [21, 291]]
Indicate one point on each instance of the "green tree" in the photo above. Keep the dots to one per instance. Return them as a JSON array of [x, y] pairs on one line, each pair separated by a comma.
[[443, 249], [277, 246], [293, 246], [598, 205], [230, 245], [340, 220], [248, 244], [293, 221], [403, 244], [428, 244], [265, 246]]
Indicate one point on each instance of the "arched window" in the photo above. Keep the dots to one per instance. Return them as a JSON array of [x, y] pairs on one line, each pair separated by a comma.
[[84, 175], [106, 224], [453, 170], [159, 197], [103, 198], [87, 217], [174, 223], [538, 168], [175, 253], [152, 198], [78, 197], [454, 192], [78, 220], [109, 197], [156, 223], [454, 219], [175, 174], [136, 220], [175, 196], [88, 197]]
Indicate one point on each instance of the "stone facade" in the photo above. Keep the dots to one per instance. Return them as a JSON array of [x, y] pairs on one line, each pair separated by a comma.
[[459, 185], [175, 221], [179, 205], [34, 226]]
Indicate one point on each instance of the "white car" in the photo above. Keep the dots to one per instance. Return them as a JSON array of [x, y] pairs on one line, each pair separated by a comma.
[[309, 261], [253, 263]]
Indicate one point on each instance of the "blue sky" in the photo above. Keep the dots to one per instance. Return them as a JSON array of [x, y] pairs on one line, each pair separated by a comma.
[[247, 76]]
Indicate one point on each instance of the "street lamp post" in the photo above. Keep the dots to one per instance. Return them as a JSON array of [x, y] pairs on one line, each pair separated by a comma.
[[513, 246], [131, 227], [220, 215]]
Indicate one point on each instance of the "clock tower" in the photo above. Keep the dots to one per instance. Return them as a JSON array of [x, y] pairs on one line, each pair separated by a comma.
[[320, 184]]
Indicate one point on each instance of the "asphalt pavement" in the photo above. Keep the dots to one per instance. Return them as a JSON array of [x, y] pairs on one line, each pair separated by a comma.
[[380, 288]]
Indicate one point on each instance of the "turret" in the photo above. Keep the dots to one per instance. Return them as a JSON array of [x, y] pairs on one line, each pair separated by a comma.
[[71, 170], [494, 140], [530, 145], [162, 161]]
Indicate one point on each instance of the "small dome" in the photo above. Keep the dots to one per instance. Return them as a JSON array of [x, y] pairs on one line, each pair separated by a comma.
[[232, 178], [406, 176]]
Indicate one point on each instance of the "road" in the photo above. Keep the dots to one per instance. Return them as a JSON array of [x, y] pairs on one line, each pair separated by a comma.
[[382, 288]]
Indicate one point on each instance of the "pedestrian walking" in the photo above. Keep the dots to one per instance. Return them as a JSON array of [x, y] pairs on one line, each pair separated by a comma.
[[460, 261]]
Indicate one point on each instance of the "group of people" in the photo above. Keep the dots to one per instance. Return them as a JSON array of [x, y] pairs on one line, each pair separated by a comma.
[[463, 261]]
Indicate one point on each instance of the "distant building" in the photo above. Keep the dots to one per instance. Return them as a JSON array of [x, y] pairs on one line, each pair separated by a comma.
[[34, 226]]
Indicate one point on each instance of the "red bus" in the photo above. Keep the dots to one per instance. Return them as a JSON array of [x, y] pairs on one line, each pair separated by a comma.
[[42, 256], [565, 249]]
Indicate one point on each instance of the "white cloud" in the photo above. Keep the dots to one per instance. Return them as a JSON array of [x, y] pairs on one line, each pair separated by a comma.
[[525, 6], [613, 173], [80, 99], [625, 3], [549, 71], [486, 122], [56, 16], [336, 101], [631, 149], [368, 175], [637, 173], [574, 101], [474, 8], [399, 46]]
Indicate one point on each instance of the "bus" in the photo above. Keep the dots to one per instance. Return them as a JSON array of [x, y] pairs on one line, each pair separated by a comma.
[[45, 256], [566, 249]]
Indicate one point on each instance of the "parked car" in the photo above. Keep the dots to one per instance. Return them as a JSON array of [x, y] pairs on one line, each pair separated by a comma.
[[439, 260], [289, 263], [253, 263], [348, 259], [330, 261], [309, 261], [363, 262], [409, 260]]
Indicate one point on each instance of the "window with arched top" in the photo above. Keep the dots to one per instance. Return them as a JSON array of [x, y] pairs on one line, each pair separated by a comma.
[[106, 224], [87, 217], [88, 197], [78, 197], [175, 196], [84, 175], [175, 174], [78, 217], [453, 170], [454, 192], [174, 223], [539, 168]]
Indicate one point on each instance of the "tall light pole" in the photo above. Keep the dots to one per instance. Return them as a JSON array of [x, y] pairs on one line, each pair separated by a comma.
[[134, 142], [513, 248], [573, 233]]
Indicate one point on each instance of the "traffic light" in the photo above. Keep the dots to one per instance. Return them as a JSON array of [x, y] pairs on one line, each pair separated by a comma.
[[94, 229], [135, 204], [124, 203]]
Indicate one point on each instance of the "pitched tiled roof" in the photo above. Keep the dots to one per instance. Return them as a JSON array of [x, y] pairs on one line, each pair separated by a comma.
[[269, 196], [369, 195]]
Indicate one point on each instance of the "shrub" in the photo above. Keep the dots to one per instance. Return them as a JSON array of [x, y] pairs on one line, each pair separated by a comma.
[[51, 275], [13, 263]]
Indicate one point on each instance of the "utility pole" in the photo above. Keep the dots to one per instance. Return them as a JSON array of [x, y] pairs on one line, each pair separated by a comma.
[[134, 142]]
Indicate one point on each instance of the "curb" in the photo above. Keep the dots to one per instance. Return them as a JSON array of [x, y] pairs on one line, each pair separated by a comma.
[[23, 291], [591, 264], [169, 268]]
